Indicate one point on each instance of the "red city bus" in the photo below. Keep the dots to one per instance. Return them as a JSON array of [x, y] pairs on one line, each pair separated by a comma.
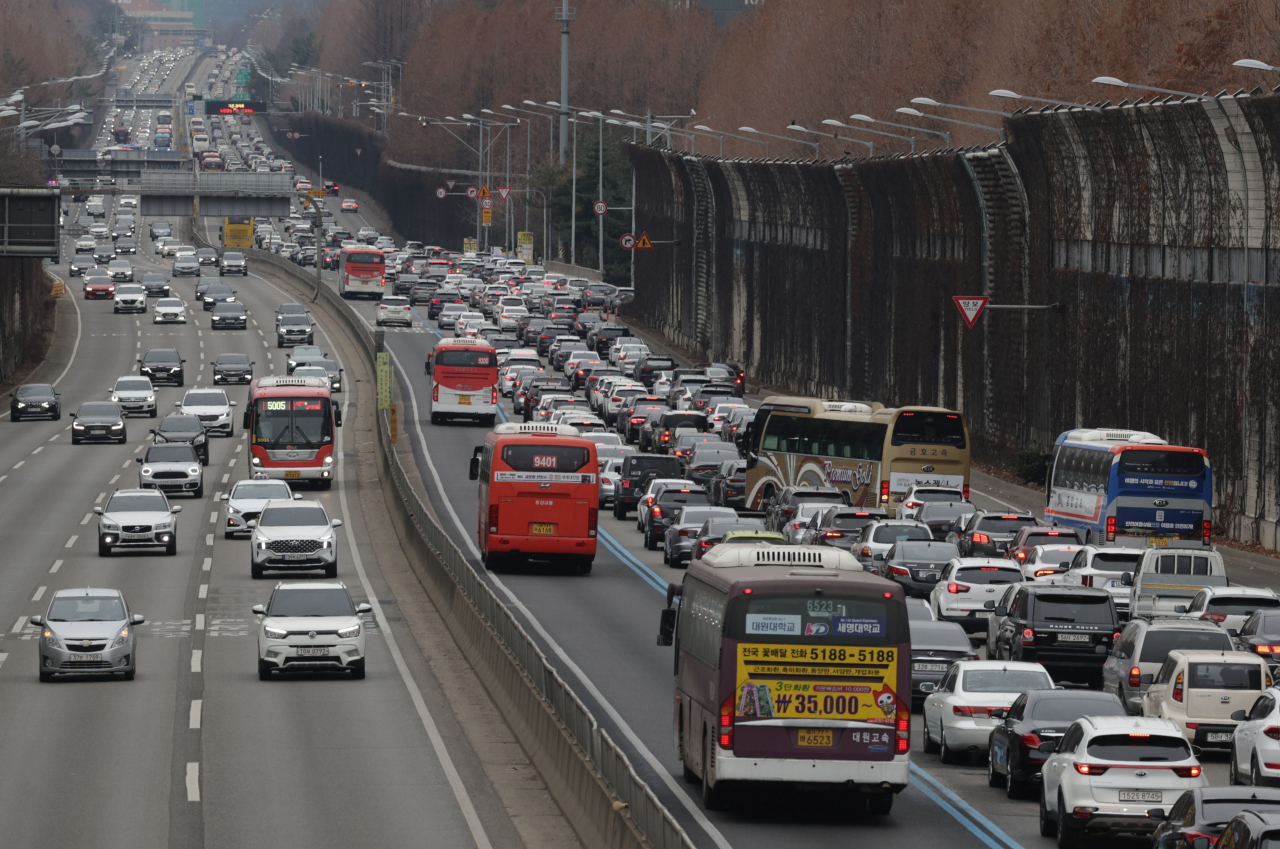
[[464, 380], [362, 272], [290, 422], [539, 495]]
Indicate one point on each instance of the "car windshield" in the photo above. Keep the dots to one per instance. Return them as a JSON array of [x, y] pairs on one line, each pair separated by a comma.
[[99, 409], [1004, 524], [1224, 676], [897, 533], [1050, 537], [36, 390], [305, 351], [289, 517], [205, 399], [937, 552], [1086, 609], [1139, 748], [852, 521], [1070, 709], [1157, 644], [311, 602], [989, 575], [169, 302], [1004, 680], [1056, 556], [1105, 561], [163, 453], [130, 290], [262, 490], [232, 360], [234, 257], [87, 609], [1241, 606], [161, 357], [137, 504]]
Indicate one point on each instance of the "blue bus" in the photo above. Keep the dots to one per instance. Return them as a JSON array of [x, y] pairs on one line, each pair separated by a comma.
[[1113, 483]]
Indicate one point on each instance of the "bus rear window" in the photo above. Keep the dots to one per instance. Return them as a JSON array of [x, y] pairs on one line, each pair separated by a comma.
[[920, 428], [366, 259], [545, 458], [465, 359], [1145, 461], [825, 619]]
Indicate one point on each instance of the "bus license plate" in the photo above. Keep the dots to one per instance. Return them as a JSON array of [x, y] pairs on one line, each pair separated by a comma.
[[464, 399], [542, 528], [1158, 541], [816, 737], [1073, 638], [292, 475], [1140, 796]]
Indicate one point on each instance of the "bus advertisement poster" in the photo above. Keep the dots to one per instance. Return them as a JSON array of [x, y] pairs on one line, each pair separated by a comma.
[[818, 682]]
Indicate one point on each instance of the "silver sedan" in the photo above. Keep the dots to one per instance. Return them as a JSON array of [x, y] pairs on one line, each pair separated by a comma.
[[88, 632]]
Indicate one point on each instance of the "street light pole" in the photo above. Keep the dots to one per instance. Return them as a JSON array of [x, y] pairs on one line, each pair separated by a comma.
[[816, 148], [565, 16], [871, 146], [906, 110], [832, 122]]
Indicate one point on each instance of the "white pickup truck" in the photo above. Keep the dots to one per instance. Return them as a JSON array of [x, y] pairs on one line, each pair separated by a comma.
[[1167, 578]]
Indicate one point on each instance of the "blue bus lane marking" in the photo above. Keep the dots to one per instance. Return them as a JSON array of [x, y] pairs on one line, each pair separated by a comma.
[[968, 807]]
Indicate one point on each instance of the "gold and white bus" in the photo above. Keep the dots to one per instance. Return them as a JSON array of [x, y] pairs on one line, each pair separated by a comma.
[[871, 453]]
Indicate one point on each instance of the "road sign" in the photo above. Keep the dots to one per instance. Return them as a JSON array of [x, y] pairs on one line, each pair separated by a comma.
[[384, 380], [628, 241], [440, 193], [318, 192], [451, 184], [600, 207], [191, 107], [970, 307], [487, 204], [473, 192], [470, 246], [487, 217], [524, 246], [644, 244], [484, 192], [503, 192]]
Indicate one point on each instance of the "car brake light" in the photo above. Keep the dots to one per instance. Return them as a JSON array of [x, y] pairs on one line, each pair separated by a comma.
[[1272, 731], [657, 512], [493, 518], [1267, 649], [1111, 529], [965, 710], [1135, 677], [912, 504], [1177, 688], [1021, 555], [981, 538], [1040, 573], [954, 588], [1206, 530], [726, 723], [1187, 771], [1091, 769], [898, 570], [649, 501], [829, 534], [1086, 580], [884, 490], [1031, 741], [1213, 617]]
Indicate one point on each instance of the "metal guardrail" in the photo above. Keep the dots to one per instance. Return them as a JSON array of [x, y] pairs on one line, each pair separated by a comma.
[[607, 800]]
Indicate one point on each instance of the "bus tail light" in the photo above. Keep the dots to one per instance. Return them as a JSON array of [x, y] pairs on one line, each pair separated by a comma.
[[493, 396], [726, 723], [493, 518], [884, 490], [1177, 688], [904, 732], [1028, 637], [1135, 677], [1111, 529], [966, 492], [435, 393], [593, 519], [1206, 530]]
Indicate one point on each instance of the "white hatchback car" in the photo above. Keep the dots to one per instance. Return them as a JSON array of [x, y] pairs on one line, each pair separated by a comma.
[[1255, 749], [394, 309], [1104, 566], [918, 495], [1231, 606], [1047, 564], [957, 716], [966, 585], [246, 500], [212, 407], [1107, 774], [310, 626]]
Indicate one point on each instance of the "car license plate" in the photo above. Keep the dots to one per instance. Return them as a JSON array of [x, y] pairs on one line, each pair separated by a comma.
[[86, 657], [928, 576], [982, 614], [464, 399], [1073, 638], [135, 536], [930, 667], [323, 651], [1218, 737], [542, 528], [296, 556], [1139, 795], [292, 475], [816, 737], [1157, 541]]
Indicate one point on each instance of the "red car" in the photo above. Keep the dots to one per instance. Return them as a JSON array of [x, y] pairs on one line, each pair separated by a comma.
[[98, 287]]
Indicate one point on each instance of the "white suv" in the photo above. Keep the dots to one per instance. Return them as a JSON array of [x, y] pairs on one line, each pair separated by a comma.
[[1107, 774], [135, 395], [394, 308], [291, 536], [212, 407], [129, 298], [966, 585], [308, 627]]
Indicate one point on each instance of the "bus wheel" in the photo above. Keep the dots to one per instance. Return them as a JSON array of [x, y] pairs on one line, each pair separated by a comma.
[[487, 421], [435, 418], [326, 483], [713, 798], [493, 562], [584, 565], [880, 805]]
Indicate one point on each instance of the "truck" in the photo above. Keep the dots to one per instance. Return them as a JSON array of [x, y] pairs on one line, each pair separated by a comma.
[[1167, 578], [237, 232], [121, 135]]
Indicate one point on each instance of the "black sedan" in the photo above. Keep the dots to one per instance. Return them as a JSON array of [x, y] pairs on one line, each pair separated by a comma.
[[126, 245], [232, 368], [184, 428], [1198, 817], [79, 265], [217, 293], [1036, 717], [34, 400], [156, 284], [229, 316], [98, 421], [934, 647]]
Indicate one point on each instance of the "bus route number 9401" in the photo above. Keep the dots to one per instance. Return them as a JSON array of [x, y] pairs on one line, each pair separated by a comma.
[[544, 461]]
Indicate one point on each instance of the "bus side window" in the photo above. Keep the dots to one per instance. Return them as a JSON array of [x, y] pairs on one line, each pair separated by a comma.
[[486, 461]]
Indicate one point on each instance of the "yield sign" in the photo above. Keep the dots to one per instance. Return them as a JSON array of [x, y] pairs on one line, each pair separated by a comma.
[[451, 184], [484, 192], [502, 193], [970, 307], [644, 243]]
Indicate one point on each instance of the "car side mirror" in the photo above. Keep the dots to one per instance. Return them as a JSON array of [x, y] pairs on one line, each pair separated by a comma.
[[297, 496], [176, 508], [1146, 679], [73, 415], [38, 621], [336, 523], [151, 431], [877, 557], [138, 619], [260, 609], [1239, 715], [1047, 748], [1126, 580], [177, 403], [998, 713], [928, 687], [1001, 610], [137, 459], [473, 469], [252, 523], [667, 626], [1180, 608], [337, 416], [98, 510], [1156, 813]]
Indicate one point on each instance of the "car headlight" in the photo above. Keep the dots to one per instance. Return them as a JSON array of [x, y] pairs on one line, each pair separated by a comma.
[[44, 403], [117, 425], [50, 639], [146, 470], [22, 404], [262, 545], [255, 461], [348, 633], [274, 633], [327, 542], [199, 438], [77, 426], [328, 461], [165, 526], [231, 511], [151, 397], [121, 638]]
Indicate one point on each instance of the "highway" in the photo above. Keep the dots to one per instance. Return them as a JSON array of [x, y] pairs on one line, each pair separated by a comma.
[[197, 751]]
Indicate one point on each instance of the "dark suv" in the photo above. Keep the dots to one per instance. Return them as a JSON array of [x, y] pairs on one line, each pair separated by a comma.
[[668, 499], [728, 486], [650, 365], [604, 335], [657, 434], [162, 365], [704, 461], [840, 527], [1069, 630], [636, 469], [987, 533], [778, 511]]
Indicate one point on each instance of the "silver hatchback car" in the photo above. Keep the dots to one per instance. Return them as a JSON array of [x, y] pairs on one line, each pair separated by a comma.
[[88, 631]]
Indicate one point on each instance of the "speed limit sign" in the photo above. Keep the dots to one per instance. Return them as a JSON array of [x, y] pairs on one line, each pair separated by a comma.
[[487, 203], [440, 193], [628, 241], [600, 207], [473, 192]]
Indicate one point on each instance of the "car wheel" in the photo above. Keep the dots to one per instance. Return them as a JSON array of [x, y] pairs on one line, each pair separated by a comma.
[[949, 755], [46, 677], [1047, 828], [130, 674], [153, 413], [171, 549], [255, 570], [199, 491], [994, 779], [264, 671], [124, 437], [619, 512], [228, 535], [1068, 836], [650, 541], [1233, 771], [357, 670], [1255, 773], [15, 417], [104, 550], [666, 556], [331, 571]]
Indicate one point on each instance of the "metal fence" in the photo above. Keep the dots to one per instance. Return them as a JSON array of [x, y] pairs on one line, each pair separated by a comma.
[[589, 776], [1154, 226]]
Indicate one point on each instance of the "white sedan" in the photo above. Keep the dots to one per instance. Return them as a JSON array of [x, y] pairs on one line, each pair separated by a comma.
[[169, 310], [957, 720]]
